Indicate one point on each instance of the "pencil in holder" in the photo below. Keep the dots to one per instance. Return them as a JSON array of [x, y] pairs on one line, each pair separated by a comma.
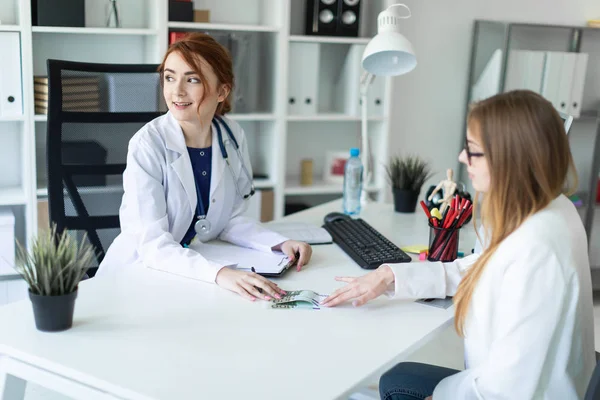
[[443, 243]]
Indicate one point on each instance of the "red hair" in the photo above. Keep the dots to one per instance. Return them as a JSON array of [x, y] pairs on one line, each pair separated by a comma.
[[195, 45]]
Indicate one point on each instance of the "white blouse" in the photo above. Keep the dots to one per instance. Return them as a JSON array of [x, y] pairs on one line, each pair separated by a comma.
[[529, 332]]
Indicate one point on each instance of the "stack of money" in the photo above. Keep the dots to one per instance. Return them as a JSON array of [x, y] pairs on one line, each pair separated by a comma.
[[299, 299]]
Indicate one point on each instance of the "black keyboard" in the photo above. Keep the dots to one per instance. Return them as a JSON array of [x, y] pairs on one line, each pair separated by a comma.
[[367, 247]]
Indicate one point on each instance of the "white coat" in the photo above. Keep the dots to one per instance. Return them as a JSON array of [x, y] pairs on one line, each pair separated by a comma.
[[159, 203], [529, 332]]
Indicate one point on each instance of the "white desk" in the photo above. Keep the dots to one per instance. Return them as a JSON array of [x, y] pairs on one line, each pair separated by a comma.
[[152, 335]]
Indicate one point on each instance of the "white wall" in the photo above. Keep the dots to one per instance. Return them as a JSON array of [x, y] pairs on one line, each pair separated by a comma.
[[429, 103]]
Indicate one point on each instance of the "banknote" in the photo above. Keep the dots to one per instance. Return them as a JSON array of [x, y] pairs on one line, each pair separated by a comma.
[[299, 299]]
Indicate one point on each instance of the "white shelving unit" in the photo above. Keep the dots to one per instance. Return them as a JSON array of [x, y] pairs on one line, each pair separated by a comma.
[[278, 138]]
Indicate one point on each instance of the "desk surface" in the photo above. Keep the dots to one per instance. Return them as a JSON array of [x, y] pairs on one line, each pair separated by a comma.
[[154, 335]]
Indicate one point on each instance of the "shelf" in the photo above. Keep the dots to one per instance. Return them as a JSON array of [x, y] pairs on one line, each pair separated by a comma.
[[10, 28], [263, 184], [588, 114], [94, 31], [43, 191], [235, 117], [12, 196], [329, 39], [17, 118], [252, 117], [221, 27], [318, 187], [333, 117]]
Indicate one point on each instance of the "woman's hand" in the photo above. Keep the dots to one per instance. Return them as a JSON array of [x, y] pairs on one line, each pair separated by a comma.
[[248, 284], [429, 398], [292, 247], [363, 289]]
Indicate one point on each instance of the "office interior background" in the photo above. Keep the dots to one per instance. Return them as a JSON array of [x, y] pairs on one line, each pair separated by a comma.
[[421, 113]]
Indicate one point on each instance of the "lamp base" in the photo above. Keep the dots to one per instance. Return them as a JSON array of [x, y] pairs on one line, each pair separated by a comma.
[[364, 198]]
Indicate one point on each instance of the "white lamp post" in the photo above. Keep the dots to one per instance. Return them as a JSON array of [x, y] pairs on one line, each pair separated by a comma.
[[389, 53]]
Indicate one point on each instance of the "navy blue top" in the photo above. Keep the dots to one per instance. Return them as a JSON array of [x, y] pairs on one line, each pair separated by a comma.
[[201, 166]]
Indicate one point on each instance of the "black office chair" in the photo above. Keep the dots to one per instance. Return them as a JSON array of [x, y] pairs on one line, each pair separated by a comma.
[[93, 111]]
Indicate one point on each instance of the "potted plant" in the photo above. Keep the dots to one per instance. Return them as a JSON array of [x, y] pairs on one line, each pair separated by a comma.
[[52, 270], [407, 175]]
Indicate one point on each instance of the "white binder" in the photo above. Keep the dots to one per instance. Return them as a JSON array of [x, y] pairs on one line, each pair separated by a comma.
[[525, 70], [564, 80], [303, 81], [552, 80], [375, 95], [11, 96], [578, 84], [348, 85]]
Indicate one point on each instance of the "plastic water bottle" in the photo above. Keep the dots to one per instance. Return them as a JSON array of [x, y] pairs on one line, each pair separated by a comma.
[[353, 173]]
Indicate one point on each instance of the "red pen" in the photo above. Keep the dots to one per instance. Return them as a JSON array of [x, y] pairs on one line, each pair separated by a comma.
[[424, 206]]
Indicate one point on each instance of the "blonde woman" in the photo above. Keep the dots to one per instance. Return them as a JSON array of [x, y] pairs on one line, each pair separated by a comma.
[[524, 303]]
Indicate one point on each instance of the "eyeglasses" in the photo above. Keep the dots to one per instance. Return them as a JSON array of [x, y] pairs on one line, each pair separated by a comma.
[[470, 154]]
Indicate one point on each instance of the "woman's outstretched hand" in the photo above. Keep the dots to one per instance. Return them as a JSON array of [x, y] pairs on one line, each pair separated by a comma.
[[362, 289]]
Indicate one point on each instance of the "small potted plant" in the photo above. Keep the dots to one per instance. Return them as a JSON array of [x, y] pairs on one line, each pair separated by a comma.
[[407, 176], [52, 270]]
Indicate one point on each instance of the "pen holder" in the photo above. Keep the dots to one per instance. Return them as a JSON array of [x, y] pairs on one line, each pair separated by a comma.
[[443, 243]]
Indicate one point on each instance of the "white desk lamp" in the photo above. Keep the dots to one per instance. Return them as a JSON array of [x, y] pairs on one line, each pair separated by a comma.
[[389, 53]]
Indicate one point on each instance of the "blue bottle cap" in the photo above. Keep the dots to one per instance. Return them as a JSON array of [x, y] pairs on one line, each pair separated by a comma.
[[354, 152]]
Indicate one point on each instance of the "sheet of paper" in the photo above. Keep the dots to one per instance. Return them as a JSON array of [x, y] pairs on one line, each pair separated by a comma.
[[241, 257], [301, 231]]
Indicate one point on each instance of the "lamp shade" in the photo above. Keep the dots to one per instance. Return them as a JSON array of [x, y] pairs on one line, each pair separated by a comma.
[[389, 53]]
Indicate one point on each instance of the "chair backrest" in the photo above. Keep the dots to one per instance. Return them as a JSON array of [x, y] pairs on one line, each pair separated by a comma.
[[593, 389], [93, 111]]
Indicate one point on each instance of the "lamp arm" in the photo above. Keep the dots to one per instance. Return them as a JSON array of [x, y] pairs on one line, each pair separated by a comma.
[[365, 81]]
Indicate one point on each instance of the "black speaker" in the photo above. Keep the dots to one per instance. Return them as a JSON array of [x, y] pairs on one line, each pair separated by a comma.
[[332, 17]]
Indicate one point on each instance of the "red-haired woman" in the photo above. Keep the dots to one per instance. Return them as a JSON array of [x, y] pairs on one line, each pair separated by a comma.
[[524, 303], [188, 179]]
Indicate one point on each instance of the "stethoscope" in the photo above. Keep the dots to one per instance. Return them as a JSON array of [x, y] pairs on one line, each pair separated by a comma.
[[202, 226]]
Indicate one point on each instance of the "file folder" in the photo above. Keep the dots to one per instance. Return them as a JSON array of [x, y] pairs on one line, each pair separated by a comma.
[[348, 85], [11, 96], [525, 70], [578, 84], [303, 79]]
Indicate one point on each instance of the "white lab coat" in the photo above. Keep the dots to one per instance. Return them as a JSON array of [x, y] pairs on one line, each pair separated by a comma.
[[159, 203], [529, 333]]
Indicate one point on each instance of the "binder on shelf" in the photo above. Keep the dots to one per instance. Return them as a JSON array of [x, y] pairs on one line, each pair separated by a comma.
[[303, 82], [564, 80], [578, 84], [552, 78], [525, 70], [11, 98], [375, 96], [175, 36], [348, 85]]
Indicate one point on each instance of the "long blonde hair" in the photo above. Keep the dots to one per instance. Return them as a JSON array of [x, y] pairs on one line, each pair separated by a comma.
[[529, 159]]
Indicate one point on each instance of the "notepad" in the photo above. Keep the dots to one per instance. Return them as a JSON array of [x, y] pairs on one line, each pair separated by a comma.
[[230, 255], [301, 231]]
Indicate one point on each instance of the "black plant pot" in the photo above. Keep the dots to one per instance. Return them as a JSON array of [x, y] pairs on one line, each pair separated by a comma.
[[53, 313], [405, 201]]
